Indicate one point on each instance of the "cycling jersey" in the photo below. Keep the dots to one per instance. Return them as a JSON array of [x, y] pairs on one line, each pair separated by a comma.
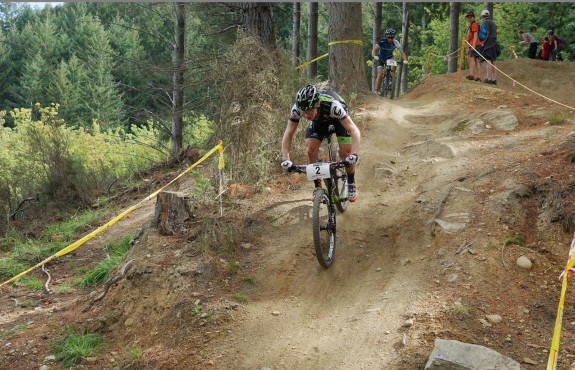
[[331, 106], [332, 109], [386, 49]]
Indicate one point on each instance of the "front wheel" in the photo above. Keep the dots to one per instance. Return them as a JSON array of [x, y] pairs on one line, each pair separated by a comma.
[[388, 85], [340, 182], [323, 224]]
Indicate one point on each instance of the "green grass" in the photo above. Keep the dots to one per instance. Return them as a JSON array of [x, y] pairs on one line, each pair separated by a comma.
[[492, 245], [196, 308], [22, 254], [241, 297], [73, 346], [10, 267], [15, 330], [66, 230], [515, 240], [251, 280], [556, 118], [62, 289], [135, 353], [462, 309], [232, 265], [98, 275], [30, 282]]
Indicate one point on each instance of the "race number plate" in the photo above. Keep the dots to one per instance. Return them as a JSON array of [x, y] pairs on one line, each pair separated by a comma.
[[317, 171], [391, 62]]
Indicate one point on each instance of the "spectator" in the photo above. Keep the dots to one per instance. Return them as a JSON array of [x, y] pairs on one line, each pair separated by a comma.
[[527, 38], [545, 49], [473, 55], [554, 48], [490, 47]]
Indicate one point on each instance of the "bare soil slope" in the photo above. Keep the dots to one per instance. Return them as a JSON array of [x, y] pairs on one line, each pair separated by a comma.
[[449, 174]]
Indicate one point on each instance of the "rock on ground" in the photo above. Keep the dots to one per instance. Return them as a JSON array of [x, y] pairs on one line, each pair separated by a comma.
[[456, 355]]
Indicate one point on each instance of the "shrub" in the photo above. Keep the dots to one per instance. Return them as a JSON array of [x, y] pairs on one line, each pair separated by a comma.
[[255, 96]]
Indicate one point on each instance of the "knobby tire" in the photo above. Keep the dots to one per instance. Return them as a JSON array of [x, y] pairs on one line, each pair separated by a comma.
[[323, 224]]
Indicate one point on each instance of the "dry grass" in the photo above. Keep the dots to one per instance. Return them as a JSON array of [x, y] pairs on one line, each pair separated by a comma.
[[256, 88]]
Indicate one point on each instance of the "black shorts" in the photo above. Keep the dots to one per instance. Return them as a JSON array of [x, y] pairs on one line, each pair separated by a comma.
[[475, 54], [319, 130], [490, 53]]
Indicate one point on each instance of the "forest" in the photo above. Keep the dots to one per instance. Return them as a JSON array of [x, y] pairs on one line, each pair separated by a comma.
[[93, 94]]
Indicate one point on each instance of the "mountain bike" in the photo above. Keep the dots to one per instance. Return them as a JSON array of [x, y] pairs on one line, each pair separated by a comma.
[[326, 200], [386, 88]]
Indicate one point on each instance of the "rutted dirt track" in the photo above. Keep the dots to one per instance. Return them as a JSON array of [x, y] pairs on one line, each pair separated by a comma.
[[436, 172]]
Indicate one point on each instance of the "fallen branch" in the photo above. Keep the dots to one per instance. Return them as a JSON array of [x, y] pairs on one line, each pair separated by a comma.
[[503, 257], [109, 283], [439, 208], [47, 283], [464, 246]]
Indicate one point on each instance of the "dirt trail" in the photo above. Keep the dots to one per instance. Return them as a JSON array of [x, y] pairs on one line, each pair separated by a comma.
[[435, 171], [351, 315]]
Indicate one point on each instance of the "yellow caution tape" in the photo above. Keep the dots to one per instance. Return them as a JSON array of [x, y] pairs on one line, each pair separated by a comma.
[[357, 42], [552, 362], [76, 244], [311, 61]]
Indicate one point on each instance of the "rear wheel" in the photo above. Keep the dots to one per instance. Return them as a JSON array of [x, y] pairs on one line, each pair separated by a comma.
[[323, 224]]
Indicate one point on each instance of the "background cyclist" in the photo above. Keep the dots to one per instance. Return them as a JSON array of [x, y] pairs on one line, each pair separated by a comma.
[[382, 51], [323, 108]]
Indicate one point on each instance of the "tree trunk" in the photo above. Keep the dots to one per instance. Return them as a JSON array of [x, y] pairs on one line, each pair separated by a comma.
[[453, 37], [178, 80], [172, 209], [256, 18], [424, 18], [346, 64], [489, 6], [404, 46], [377, 19], [312, 40], [296, 33]]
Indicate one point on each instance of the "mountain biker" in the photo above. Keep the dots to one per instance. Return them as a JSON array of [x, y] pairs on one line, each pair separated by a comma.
[[323, 108], [382, 51]]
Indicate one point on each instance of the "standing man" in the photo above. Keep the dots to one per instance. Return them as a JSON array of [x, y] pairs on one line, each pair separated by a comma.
[[382, 51], [323, 108], [527, 38], [554, 45], [490, 47], [473, 55]]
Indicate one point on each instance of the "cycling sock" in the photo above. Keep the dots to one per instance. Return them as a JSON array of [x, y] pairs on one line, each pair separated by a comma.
[[351, 178]]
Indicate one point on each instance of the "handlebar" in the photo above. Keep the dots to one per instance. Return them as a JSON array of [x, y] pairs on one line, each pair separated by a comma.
[[333, 166]]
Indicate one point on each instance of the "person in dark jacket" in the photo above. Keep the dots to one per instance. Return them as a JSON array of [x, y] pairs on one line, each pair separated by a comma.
[[490, 47]]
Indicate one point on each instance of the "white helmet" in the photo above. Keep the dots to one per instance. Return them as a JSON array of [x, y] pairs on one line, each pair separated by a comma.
[[484, 13]]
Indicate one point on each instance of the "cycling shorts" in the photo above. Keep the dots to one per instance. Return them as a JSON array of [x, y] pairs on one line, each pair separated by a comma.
[[319, 130]]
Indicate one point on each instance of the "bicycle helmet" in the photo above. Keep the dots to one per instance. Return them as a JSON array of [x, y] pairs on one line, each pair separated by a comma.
[[307, 97], [550, 32], [470, 14], [485, 13], [390, 32]]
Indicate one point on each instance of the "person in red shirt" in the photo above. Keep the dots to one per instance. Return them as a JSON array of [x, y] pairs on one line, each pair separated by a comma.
[[545, 49], [473, 55]]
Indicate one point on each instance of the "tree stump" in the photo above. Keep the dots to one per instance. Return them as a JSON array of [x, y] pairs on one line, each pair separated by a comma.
[[172, 209]]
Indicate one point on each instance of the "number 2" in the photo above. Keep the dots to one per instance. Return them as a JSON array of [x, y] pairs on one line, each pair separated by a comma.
[[317, 168]]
